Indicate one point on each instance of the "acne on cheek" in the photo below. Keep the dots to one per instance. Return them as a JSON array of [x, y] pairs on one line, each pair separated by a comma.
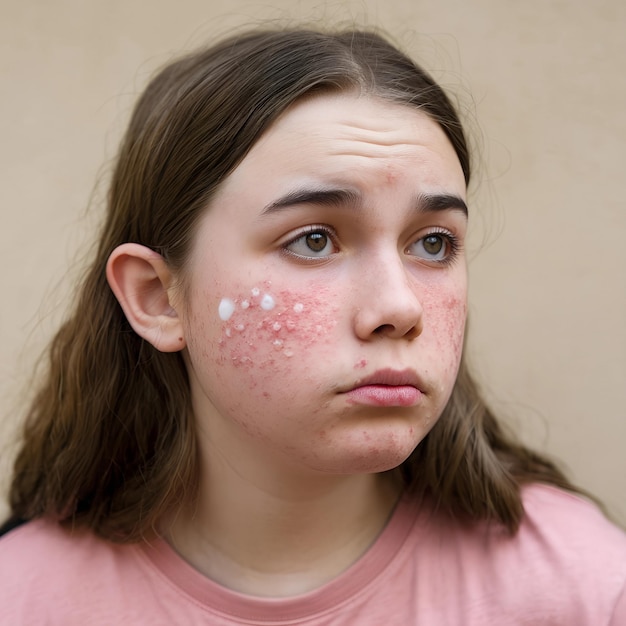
[[451, 326], [261, 326], [445, 313]]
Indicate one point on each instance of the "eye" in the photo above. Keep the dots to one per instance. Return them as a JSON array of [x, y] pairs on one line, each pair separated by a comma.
[[441, 247], [316, 243]]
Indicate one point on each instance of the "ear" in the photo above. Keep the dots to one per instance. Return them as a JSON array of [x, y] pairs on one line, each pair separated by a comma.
[[141, 282]]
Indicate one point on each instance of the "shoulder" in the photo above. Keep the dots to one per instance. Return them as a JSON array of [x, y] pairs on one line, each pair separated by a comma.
[[569, 555], [572, 531], [41, 547], [32, 545], [40, 550], [564, 521], [565, 565], [55, 575]]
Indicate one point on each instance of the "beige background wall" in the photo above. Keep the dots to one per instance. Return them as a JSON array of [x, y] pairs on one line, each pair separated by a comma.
[[548, 305]]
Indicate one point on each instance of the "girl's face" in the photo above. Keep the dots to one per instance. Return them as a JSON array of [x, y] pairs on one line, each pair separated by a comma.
[[327, 290]]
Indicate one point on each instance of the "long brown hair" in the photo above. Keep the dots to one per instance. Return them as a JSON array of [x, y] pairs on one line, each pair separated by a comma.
[[109, 438]]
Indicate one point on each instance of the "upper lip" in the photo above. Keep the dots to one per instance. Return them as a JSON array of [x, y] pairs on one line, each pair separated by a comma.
[[390, 378]]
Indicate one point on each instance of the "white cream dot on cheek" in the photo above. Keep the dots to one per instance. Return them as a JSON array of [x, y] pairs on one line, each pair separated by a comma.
[[245, 304], [298, 307], [225, 309], [267, 302]]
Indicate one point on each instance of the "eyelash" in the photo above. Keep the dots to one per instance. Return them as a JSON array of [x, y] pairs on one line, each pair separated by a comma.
[[452, 243]]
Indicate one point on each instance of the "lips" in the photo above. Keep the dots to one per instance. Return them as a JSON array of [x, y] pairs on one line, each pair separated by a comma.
[[387, 388]]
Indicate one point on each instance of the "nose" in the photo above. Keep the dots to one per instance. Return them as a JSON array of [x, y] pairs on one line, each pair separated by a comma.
[[387, 302]]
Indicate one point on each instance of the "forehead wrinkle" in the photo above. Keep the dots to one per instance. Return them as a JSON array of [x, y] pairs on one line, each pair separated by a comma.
[[378, 144], [384, 131], [359, 134], [373, 149], [382, 137], [379, 153]]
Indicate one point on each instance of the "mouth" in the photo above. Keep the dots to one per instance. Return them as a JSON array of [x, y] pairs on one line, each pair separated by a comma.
[[387, 388]]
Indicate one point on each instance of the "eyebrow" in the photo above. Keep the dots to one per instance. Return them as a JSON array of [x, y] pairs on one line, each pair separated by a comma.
[[432, 203], [337, 197], [324, 197]]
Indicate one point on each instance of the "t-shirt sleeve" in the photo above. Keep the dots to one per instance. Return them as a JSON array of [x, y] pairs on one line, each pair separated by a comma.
[[619, 614]]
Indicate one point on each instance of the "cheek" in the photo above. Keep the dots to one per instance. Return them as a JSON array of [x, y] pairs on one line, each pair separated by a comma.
[[267, 336], [447, 313], [453, 323]]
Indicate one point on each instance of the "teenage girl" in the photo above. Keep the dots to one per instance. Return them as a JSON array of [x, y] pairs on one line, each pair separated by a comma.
[[259, 411]]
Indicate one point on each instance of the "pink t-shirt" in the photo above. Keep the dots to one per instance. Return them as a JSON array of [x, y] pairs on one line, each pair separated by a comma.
[[566, 565]]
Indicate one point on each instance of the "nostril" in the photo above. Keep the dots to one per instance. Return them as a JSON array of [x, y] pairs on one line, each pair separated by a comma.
[[384, 329], [392, 331], [414, 332]]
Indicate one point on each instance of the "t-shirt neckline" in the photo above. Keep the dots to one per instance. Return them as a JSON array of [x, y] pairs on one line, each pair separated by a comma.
[[231, 604]]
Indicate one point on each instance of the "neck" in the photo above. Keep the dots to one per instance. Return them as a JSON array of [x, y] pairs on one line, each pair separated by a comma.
[[280, 535]]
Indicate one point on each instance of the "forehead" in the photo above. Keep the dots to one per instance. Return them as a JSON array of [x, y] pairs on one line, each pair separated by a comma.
[[350, 139]]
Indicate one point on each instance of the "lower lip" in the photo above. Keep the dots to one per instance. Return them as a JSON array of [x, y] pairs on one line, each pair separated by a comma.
[[385, 395]]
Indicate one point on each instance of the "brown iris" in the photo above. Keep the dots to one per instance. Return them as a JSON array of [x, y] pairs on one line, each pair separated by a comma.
[[433, 244], [316, 241]]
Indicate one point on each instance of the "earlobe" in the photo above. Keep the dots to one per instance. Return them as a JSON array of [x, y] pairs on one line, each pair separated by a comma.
[[141, 281]]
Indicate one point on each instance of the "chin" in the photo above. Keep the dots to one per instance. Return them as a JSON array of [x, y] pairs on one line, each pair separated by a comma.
[[373, 460]]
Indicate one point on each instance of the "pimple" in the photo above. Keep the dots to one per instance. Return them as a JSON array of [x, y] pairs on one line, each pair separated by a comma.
[[360, 364], [454, 304], [391, 173], [241, 361]]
